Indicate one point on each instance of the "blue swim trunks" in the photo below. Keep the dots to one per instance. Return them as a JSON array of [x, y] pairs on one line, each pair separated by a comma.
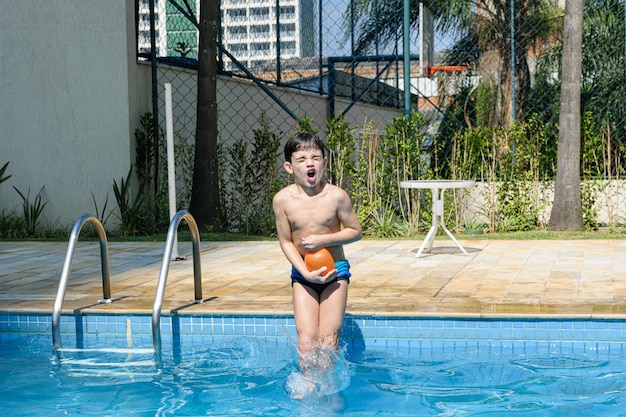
[[343, 273]]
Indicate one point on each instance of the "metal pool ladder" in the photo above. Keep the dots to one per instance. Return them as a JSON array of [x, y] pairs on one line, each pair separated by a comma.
[[67, 268], [167, 256]]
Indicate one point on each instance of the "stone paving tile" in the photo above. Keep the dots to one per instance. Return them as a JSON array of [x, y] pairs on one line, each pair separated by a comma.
[[496, 279]]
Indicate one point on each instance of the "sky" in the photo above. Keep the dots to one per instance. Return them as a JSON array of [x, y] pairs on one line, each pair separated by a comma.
[[333, 32]]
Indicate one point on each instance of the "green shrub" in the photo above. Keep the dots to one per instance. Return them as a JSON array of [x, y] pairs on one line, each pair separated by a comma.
[[32, 211]]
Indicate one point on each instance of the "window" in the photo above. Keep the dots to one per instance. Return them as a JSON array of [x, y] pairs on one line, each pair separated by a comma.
[[237, 15], [145, 18], [238, 48], [260, 49], [258, 64], [237, 32], [260, 31], [144, 36], [288, 47], [288, 29], [287, 12], [261, 13]]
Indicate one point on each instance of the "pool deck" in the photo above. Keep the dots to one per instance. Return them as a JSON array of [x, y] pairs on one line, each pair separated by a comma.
[[542, 278]]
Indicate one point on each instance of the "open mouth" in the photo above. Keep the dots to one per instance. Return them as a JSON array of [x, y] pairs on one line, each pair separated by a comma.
[[310, 174]]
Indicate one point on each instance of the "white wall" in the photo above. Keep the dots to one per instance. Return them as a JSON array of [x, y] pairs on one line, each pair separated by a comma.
[[241, 102], [609, 200], [65, 95]]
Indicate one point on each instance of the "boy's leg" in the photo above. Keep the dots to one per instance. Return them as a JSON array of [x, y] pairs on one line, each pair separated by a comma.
[[332, 308], [306, 311], [306, 315]]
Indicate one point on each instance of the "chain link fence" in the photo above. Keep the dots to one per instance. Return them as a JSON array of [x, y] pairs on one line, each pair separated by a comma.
[[482, 103]]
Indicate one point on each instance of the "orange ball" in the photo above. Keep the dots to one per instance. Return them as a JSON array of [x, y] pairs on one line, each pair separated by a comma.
[[319, 258]]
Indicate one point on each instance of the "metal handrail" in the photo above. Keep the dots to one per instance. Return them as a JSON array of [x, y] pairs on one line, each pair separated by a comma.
[[67, 268], [167, 255]]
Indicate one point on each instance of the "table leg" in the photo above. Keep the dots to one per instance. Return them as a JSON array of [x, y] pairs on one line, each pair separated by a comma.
[[453, 239], [443, 226], [430, 236], [427, 240]]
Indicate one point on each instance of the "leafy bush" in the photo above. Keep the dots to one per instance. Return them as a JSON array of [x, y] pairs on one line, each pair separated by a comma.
[[254, 177], [32, 211], [3, 177], [130, 209]]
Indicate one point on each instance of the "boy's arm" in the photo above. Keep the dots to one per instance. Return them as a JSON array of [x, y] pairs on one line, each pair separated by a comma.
[[352, 229], [283, 229]]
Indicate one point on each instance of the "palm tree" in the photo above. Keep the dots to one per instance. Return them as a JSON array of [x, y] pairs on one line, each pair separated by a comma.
[[567, 209], [484, 28], [205, 203]]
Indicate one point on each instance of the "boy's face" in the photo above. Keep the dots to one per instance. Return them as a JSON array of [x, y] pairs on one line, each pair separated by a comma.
[[307, 166]]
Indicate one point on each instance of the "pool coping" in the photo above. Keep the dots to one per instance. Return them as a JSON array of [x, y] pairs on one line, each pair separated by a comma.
[[499, 279]]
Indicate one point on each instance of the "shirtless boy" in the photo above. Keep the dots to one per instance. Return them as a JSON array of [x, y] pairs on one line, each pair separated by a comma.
[[313, 214]]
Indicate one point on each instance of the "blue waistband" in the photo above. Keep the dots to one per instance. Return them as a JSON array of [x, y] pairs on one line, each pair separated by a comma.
[[342, 267]]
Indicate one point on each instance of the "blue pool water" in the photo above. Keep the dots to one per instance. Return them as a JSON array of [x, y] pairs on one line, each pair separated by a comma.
[[242, 366]]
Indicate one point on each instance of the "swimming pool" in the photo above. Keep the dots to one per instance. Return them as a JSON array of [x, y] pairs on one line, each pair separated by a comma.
[[229, 366]]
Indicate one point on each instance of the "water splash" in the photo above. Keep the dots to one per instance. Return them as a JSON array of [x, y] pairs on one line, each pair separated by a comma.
[[326, 373]]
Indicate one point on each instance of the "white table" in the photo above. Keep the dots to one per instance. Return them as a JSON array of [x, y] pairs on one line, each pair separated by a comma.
[[437, 188]]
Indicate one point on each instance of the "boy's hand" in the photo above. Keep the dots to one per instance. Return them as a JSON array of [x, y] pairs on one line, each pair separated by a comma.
[[312, 243], [317, 277]]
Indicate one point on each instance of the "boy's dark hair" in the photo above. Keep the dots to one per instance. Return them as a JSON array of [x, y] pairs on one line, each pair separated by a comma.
[[301, 141]]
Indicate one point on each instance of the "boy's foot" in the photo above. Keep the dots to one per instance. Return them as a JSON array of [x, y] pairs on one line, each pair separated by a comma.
[[298, 386]]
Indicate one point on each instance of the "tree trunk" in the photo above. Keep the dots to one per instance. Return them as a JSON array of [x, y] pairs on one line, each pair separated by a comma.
[[205, 198], [567, 209]]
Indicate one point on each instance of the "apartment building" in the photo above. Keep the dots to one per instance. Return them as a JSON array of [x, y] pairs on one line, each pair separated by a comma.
[[143, 27], [255, 32]]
